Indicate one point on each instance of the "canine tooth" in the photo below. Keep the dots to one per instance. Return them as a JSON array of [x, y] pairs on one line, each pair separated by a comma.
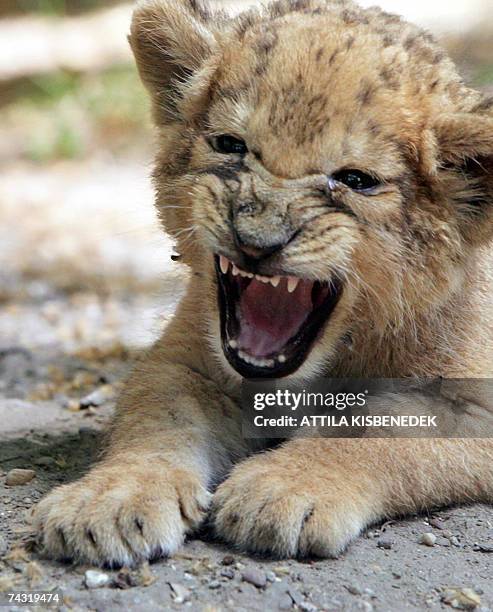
[[292, 283], [233, 344], [223, 264], [275, 280], [235, 271], [281, 359]]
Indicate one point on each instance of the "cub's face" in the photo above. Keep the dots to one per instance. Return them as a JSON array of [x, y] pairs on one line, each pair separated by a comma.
[[322, 166]]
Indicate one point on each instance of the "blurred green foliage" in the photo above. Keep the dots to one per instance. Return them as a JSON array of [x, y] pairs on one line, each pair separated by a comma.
[[68, 115], [484, 75], [52, 7]]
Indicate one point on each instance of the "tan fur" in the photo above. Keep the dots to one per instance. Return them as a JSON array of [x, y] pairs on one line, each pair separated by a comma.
[[312, 86]]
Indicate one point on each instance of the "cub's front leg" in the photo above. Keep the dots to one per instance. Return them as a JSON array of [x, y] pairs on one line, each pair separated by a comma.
[[174, 434], [313, 496]]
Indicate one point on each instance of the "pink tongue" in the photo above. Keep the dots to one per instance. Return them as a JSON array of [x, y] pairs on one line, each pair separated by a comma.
[[270, 316]]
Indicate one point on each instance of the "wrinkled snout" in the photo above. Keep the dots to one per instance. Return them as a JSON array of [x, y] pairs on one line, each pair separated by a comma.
[[266, 214]]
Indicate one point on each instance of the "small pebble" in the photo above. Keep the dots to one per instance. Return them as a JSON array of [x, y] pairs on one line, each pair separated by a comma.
[[255, 577], [3, 545], [484, 548], [228, 572], [97, 398], [437, 523], [228, 560], [19, 476], [214, 584], [126, 579], [271, 577], [285, 602], [44, 461], [180, 593], [428, 539], [385, 543], [95, 579], [461, 599], [307, 606], [353, 589], [296, 596], [443, 541]]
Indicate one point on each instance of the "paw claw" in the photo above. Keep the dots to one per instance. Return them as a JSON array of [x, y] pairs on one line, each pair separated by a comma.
[[270, 512], [112, 521]]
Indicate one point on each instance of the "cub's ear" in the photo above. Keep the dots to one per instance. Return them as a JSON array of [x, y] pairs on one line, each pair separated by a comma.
[[171, 40], [465, 149]]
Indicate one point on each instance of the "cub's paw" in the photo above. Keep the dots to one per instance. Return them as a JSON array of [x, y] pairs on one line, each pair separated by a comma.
[[121, 515], [286, 511]]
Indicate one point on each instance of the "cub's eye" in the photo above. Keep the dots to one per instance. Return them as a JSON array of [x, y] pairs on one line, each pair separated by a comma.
[[356, 180], [229, 145]]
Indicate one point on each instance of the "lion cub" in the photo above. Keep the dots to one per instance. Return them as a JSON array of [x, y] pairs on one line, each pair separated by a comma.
[[328, 179]]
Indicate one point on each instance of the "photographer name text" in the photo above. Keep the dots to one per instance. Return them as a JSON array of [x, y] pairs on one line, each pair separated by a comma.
[[343, 421]]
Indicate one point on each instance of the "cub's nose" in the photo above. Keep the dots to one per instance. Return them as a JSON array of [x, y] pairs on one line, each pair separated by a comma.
[[261, 227], [256, 251]]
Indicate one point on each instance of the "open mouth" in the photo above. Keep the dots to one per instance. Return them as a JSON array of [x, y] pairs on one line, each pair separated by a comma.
[[269, 324]]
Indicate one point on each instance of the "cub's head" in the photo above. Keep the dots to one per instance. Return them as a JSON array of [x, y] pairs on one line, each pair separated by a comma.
[[323, 169]]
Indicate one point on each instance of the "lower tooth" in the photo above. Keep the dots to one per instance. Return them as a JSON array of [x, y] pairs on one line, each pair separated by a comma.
[[259, 363], [233, 344], [281, 359]]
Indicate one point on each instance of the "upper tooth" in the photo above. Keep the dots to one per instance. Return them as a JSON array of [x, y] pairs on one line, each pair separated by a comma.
[[223, 264], [292, 283], [235, 271], [275, 280], [262, 279]]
